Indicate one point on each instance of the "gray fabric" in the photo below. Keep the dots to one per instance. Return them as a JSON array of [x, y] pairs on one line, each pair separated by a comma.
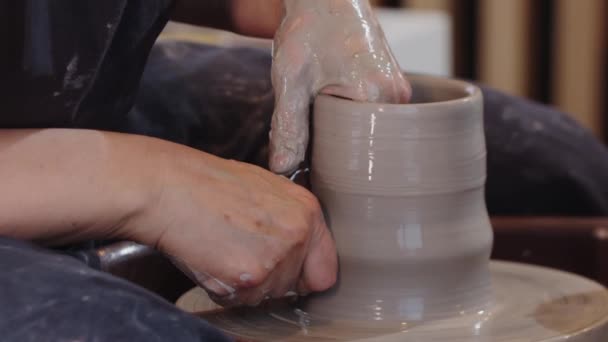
[[46, 296]]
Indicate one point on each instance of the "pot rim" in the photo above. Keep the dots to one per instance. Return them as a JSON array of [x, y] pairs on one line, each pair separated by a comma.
[[471, 93]]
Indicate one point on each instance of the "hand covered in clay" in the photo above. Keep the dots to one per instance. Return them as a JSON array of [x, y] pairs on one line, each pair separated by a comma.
[[243, 233], [335, 47]]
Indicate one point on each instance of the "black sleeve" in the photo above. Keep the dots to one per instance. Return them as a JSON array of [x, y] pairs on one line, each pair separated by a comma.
[[65, 63]]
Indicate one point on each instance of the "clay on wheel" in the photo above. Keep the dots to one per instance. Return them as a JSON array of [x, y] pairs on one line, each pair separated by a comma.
[[402, 187]]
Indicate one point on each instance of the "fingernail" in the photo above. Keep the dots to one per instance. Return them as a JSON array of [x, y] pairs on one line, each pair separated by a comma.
[[283, 162]]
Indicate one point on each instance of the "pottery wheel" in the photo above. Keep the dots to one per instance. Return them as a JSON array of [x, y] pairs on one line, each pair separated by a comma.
[[531, 303]]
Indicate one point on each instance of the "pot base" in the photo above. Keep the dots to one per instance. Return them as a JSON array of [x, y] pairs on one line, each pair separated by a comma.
[[531, 303]]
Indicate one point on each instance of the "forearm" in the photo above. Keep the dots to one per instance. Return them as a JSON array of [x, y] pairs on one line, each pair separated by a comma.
[[60, 186], [209, 13], [257, 18]]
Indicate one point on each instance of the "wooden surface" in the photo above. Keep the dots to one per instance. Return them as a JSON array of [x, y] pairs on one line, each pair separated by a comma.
[[579, 49], [504, 30]]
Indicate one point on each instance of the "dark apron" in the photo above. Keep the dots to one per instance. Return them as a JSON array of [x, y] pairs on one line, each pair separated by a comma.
[[73, 63]]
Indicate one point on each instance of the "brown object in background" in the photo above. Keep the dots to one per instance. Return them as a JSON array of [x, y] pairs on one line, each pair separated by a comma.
[[464, 30], [578, 245], [552, 51], [504, 42], [579, 41]]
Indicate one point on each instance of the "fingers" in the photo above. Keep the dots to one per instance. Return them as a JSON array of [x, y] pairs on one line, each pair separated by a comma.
[[320, 268], [314, 273], [218, 288], [397, 88], [290, 120], [291, 80], [376, 78], [303, 274], [282, 280]]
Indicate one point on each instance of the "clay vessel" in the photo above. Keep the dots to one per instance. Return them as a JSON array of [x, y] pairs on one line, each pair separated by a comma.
[[403, 192], [402, 188]]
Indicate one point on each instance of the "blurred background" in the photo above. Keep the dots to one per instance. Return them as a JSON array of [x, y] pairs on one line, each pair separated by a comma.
[[551, 51]]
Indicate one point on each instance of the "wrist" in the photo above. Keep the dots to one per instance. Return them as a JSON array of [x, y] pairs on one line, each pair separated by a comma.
[[164, 169], [258, 18], [141, 163]]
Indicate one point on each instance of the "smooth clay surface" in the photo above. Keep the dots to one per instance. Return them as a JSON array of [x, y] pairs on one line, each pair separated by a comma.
[[531, 304], [402, 187]]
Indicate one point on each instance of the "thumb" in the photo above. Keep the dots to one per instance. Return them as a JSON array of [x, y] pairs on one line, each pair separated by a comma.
[[320, 268], [290, 125]]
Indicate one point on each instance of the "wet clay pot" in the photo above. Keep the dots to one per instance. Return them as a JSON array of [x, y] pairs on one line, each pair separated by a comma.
[[402, 187], [403, 192]]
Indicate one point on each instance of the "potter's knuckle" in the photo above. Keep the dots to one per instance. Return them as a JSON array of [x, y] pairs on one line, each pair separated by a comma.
[[311, 204], [302, 194], [299, 232], [296, 229], [246, 272], [253, 276]]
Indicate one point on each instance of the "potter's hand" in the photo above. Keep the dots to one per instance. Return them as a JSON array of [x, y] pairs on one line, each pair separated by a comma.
[[243, 232], [331, 46]]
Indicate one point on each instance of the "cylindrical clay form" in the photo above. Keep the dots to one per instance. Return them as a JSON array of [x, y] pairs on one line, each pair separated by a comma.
[[402, 187], [403, 191]]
